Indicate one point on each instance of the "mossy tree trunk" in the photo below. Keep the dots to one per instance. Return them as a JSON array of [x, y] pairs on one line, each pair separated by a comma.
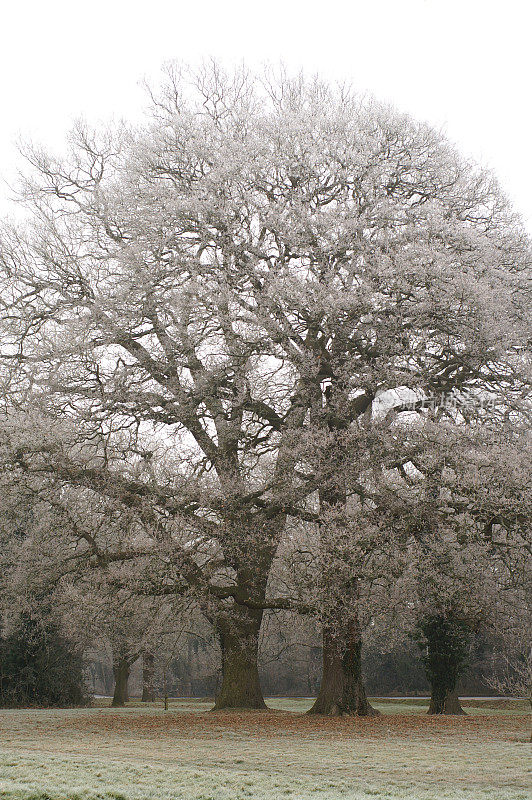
[[445, 643], [444, 701], [239, 637], [342, 688]]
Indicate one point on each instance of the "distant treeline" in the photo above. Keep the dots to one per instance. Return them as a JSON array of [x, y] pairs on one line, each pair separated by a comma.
[[297, 673]]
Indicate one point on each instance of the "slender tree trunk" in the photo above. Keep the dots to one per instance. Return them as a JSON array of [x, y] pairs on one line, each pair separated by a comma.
[[108, 680], [239, 636], [148, 669], [121, 669], [342, 688]]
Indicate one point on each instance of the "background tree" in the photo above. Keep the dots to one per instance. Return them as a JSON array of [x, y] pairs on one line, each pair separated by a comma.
[[444, 640], [148, 673]]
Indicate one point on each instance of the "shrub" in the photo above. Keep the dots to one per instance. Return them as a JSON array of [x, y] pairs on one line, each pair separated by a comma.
[[39, 666]]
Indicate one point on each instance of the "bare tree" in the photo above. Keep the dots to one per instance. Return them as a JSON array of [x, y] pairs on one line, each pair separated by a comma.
[[216, 300]]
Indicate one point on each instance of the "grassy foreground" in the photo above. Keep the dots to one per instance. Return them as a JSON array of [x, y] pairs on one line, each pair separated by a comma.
[[188, 753]]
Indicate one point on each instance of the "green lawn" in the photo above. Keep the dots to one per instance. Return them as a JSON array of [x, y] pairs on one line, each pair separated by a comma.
[[145, 753]]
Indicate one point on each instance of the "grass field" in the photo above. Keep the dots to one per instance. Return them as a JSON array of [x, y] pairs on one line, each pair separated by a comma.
[[189, 753]]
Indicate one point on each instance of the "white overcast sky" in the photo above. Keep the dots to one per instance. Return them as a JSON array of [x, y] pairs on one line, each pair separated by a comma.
[[463, 65]]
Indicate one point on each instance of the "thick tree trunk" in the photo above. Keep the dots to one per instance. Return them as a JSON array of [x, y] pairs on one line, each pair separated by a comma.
[[148, 669], [447, 638], [239, 636], [342, 689], [121, 669], [443, 701]]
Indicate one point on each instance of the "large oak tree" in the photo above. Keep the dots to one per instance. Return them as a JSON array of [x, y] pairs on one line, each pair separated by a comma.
[[233, 293]]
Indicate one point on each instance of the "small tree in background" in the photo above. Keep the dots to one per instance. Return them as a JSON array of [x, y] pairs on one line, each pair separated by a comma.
[[148, 670]]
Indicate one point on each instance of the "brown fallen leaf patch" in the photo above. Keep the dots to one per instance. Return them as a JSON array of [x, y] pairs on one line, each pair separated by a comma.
[[268, 724]]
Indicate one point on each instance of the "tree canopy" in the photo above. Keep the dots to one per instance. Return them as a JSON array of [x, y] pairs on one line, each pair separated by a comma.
[[259, 308]]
